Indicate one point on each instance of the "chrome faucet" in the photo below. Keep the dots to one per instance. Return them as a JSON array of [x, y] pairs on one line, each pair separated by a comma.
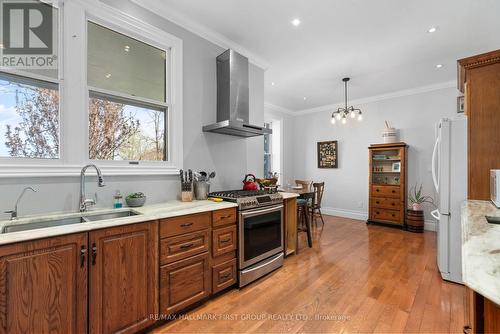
[[13, 213], [86, 202]]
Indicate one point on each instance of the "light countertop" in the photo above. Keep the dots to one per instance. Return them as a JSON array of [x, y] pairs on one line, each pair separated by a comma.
[[288, 195], [481, 249], [149, 212]]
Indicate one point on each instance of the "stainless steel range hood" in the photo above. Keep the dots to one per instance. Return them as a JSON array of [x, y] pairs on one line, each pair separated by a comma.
[[232, 98]]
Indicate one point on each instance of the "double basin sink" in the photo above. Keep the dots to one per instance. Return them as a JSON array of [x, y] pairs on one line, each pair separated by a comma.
[[86, 217]]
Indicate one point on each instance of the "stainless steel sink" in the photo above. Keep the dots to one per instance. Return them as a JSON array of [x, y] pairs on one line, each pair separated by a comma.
[[84, 218], [111, 215], [42, 224]]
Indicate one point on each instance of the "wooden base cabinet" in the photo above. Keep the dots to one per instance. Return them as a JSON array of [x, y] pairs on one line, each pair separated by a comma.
[[123, 278], [224, 246], [43, 286], [184, 283]]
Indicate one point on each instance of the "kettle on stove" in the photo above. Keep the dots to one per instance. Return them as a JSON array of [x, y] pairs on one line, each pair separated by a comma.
[[249, 183]]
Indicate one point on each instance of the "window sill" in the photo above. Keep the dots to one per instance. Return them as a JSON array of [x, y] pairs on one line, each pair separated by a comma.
[[13, 171]]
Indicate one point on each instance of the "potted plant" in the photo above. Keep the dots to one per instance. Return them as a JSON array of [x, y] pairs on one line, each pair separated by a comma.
[[417, 199], [136, 199]]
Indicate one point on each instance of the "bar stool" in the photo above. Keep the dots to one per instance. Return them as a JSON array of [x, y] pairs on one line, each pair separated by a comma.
[[304, 222]]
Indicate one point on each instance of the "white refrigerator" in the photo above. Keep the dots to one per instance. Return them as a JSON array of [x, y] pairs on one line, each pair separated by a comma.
[[449, 174]]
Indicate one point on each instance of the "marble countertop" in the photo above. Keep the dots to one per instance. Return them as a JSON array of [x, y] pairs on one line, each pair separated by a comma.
[[149, 212], [481, 249], [288, 195]]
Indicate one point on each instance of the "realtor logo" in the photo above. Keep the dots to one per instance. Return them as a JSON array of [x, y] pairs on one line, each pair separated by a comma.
[[27, 34]]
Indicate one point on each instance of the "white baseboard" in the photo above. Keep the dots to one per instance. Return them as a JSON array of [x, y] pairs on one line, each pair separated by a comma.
[[361, 215], [429, 225]]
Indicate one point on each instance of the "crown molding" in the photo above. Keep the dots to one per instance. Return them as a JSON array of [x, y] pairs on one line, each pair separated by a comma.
[[200, 30], [382, 97], [273, 107]]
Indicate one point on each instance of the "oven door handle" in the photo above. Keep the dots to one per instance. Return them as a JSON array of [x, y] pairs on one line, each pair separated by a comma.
[[261, 211]]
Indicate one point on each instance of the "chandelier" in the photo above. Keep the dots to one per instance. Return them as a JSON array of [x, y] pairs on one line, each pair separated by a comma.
[[342, 113]]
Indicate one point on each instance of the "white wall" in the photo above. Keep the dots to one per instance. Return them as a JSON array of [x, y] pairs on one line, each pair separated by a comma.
[[231, 157], [287, 145], [346, 188]]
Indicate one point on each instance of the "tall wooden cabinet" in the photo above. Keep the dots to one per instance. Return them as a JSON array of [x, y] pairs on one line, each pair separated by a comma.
[[479, 80], [387, 183]]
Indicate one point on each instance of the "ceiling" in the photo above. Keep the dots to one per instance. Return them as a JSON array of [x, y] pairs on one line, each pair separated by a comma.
[[383, 45]]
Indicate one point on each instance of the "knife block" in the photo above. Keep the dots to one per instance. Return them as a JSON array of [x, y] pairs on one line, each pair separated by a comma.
[[187, 196]]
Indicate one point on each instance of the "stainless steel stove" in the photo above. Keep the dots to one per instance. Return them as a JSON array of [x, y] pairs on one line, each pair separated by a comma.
[[249, 199], [260, 232]]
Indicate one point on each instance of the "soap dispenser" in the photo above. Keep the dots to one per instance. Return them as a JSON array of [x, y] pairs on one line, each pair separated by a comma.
[[118, 200]]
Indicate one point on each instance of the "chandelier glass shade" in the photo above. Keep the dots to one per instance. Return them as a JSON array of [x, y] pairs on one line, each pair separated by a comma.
[[341, 114]]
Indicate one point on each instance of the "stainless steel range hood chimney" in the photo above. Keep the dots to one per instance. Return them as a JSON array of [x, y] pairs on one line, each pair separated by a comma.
[[232, 98]]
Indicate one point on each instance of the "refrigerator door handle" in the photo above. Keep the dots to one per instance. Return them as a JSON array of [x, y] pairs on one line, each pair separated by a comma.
[[435, 174], [436, 214]]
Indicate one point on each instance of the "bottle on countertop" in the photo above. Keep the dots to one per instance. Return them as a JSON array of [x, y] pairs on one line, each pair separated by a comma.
[[118, 200]]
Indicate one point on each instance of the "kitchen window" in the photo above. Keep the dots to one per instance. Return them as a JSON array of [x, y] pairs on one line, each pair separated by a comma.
[[127, 97], [115, 99], [29, 87]]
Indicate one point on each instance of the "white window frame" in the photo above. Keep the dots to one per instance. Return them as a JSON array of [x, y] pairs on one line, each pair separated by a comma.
[[74, 95]]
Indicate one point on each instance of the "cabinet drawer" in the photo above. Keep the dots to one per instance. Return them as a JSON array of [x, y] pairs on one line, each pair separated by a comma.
[[385, 191], [224, 217], [223, 240], [184, 283], [182, 246], [223, 275], [184, 224], [385, 203], [387, 215]]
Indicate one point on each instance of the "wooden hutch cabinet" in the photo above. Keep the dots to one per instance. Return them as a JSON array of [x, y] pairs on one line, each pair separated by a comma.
[[387, 192]]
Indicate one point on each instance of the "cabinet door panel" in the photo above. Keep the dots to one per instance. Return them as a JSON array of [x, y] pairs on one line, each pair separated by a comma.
[[223, 240], [180, 247], [123, 278], [224, 275], [183, 283], [43, 286], [224, 217]]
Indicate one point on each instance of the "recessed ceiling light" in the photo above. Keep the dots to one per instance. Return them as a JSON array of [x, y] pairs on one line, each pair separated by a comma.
[[432, 29], [108, 75], [126, 48], [296, 22], [305, 98], [272, 84], [439, 65]]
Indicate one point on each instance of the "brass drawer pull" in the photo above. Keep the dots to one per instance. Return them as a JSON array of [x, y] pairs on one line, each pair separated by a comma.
[[186, 224], [225, 217], [225, 241], [225, 276], [187, 246]]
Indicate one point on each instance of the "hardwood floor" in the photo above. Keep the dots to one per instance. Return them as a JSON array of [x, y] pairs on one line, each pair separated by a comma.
[[356, 278]]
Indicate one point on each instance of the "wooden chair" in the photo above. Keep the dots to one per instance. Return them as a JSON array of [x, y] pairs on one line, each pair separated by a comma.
[[316, 202], [304, 221], [304, 184]]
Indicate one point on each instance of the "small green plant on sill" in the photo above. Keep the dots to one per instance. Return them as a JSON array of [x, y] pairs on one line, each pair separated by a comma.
[[417, 199]]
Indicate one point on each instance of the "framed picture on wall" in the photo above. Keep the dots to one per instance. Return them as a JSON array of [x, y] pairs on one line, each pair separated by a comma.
[[327, 154]]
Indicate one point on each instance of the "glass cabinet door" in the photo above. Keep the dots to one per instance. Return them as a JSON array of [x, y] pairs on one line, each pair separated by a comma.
[[386, 167]]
